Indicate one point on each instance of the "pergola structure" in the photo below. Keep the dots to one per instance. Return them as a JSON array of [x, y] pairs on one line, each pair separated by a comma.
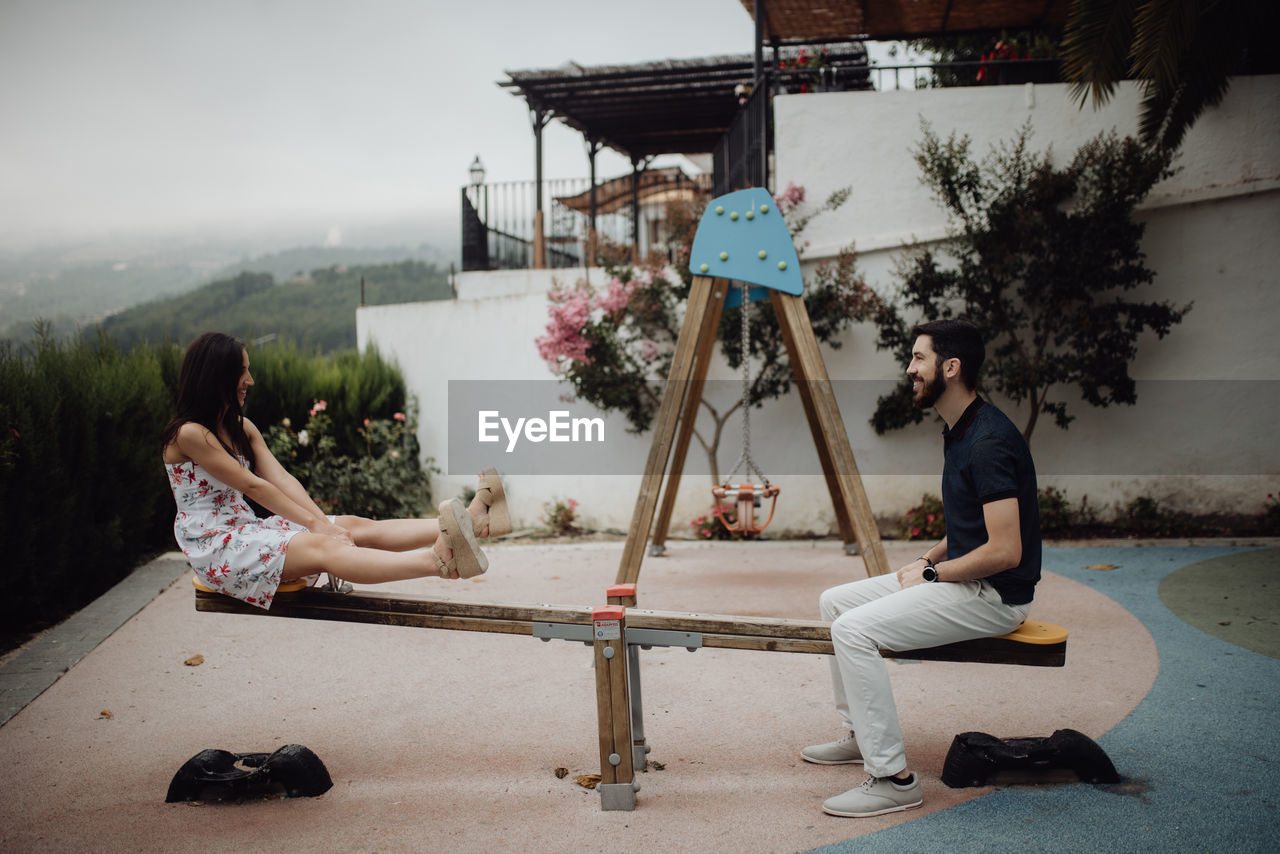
[[645, 110], [641, 111], [891, 20], [668, 107]]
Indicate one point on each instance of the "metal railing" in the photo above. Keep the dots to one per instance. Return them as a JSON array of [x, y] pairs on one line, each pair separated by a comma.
[[499, 225], [741, 158], [499, 220], [995, 72]]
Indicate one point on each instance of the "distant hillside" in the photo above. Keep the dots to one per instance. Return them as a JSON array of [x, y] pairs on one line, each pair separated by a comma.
[[290, 263], [76, 285], [317, 311], [74, 294]]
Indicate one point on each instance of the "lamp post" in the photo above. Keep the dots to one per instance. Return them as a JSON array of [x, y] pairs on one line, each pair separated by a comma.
[[475, 220], [476, 171]]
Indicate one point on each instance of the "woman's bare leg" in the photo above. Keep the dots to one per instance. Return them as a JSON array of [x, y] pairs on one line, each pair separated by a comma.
[[396, 535], [312, 553]]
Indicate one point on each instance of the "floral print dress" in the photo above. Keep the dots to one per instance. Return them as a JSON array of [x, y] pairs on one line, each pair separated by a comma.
[[229, 548]]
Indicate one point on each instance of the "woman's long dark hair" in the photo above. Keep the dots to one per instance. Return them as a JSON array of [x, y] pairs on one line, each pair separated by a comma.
[[208, 388]]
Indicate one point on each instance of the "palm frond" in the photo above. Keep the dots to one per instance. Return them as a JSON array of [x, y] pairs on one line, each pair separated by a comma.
[[1203, 77], [1095, 47], [1163, 31], [1154, 112]]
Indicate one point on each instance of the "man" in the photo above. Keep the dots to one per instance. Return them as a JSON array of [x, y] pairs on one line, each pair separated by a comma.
[[977, 582]]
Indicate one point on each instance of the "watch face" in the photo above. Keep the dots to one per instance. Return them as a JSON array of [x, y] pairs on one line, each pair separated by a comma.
[[930, 574]]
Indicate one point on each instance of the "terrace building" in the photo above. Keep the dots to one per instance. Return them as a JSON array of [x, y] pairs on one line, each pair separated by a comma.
[[1197, 437]]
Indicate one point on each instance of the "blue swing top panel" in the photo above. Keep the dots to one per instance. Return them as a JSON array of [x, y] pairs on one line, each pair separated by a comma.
[[742, 236]]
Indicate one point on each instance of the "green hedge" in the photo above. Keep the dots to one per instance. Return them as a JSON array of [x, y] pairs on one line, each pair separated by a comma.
[[82, 486], [355, 386], [81, 482]]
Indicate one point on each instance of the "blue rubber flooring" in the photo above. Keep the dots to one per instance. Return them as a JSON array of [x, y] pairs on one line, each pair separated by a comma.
[[1199, 757]]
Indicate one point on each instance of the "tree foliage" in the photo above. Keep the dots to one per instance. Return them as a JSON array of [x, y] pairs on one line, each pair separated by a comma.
[[1045, 260], [1183, 51]]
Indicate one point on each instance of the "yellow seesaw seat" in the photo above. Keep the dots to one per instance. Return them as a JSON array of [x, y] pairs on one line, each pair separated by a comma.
[[285, 586], [1038, 633]]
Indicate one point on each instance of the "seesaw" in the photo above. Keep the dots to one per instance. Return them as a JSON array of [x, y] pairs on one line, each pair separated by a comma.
[[618, 633], [741, 238]]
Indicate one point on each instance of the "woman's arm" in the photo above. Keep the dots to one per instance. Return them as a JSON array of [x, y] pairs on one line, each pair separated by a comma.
[[200, 445], [270, 470]]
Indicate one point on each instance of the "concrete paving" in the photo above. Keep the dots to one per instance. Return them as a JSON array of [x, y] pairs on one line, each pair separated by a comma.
[[27, 672], [449, 741]]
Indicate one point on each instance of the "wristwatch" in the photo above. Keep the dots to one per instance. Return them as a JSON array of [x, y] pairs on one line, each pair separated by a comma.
[[930, 572]]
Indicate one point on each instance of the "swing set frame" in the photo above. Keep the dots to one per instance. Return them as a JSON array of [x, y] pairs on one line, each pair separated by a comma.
[[673, 430]]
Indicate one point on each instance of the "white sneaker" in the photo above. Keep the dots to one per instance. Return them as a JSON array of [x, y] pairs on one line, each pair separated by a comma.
[[842, 752], [876, 796]]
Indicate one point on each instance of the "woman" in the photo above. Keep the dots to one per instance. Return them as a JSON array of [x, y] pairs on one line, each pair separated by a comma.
[[215, 457]]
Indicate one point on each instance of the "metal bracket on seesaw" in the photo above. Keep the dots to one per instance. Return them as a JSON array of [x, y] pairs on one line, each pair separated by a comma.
[[562, 631], [643, 638]]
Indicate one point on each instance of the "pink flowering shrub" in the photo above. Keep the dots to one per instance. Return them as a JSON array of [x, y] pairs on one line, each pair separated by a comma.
[[575, 312], [561, 516], [709, 527], [925, 521], [616, 298], [614, 345], [570, 311], [790, 198]]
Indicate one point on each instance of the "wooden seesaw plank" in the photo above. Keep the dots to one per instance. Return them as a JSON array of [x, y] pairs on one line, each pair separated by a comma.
[[1033, 644], [394, 610]]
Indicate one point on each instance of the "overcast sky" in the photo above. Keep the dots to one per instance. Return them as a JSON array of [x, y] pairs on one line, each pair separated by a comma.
[[177, 114]]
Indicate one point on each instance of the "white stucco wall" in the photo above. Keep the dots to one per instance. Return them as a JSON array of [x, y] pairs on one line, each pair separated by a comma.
[[1196, 439], [866, 140]]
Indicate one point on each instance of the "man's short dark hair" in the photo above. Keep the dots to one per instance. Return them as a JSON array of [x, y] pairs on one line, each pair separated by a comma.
[[957, 339]]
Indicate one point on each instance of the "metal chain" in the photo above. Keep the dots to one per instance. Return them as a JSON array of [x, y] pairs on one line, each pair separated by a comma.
[[746, 392]]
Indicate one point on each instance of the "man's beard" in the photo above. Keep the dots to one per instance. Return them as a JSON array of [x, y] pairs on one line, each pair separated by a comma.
[[930, 391]]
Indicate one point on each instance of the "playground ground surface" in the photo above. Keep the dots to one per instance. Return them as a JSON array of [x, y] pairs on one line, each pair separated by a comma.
[[450, 741]]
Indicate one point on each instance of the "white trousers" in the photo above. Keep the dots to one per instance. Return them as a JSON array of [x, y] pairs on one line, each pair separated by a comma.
[[878, 613]]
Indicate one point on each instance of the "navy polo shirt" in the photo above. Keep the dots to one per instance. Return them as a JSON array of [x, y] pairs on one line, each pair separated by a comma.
[[986, 459]]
